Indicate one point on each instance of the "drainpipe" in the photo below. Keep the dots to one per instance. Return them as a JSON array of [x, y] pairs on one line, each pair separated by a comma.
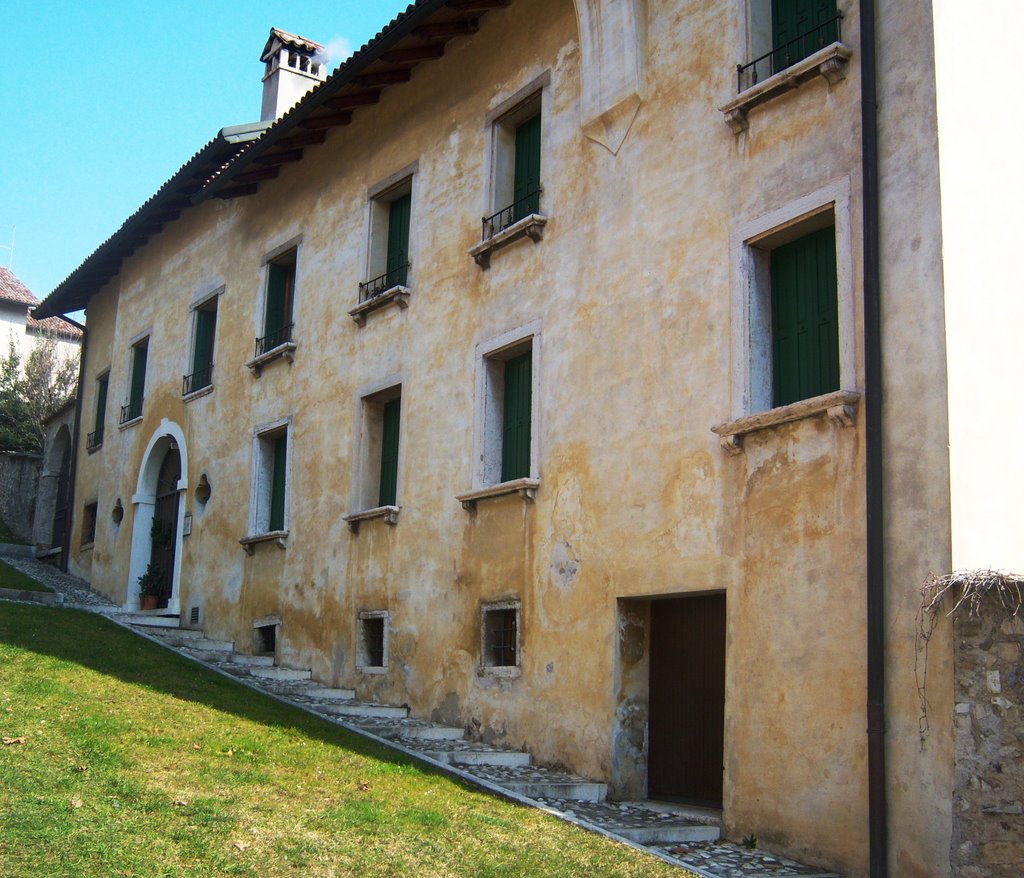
[[877, 817], [65, 549]]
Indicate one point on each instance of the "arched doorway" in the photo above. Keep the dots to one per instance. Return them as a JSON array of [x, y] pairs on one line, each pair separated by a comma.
[[164, 530], [60, 507], [157, 519]]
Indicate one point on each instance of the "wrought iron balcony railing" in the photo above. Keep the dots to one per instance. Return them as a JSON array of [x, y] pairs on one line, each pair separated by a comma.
[[197, 380], [274, 339], [786, 55], [507, 216], [372, 289], [131, 411], [94, 439]]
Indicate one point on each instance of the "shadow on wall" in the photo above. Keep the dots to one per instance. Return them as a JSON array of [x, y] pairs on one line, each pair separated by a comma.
[[19, 480]]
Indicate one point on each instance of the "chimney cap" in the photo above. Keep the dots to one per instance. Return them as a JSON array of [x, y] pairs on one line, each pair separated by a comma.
[[279, 38]]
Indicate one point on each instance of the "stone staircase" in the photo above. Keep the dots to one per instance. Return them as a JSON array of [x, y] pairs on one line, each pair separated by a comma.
[[684, 837]]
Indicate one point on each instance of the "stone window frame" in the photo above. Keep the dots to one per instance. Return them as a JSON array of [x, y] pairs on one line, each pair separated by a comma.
[[201, 300], [366, 453], [751, 242], [362, 657], [102, 375], [485, 669], [488, 415], [261, 483], [90, 521]]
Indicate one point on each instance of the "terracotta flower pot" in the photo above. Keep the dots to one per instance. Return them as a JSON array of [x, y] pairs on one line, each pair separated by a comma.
[[148, 601]]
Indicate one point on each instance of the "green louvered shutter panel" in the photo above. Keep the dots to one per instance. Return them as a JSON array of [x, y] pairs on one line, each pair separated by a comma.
[[805, 318], [101, 406], [277, 280], [139, 357], [278, 483], [399, 215], [202, 356], [792, 19], [389, 454], [527, 169], [515, 440]]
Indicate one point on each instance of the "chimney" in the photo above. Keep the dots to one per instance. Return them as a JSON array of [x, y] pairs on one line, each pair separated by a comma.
[[294, 65]]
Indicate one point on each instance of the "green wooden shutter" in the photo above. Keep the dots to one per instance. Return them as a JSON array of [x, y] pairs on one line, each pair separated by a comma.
[[202, 355], [277, 285], [278, 483], [399, 214], [139, 357], [101, 405], [389, 453], [515, 440], [527, 169], [792, 19], [805, 318]]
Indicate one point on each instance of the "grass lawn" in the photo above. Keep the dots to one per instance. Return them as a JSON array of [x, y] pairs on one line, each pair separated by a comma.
[[122, 759], [11, 578]]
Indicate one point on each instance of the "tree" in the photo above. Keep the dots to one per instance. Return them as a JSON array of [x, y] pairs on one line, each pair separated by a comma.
[[29, 396]]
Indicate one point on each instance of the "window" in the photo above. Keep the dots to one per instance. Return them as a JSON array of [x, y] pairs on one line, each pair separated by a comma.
[[500, 650], [264, 636], [95, 439], [269, 514], [505, 440], [204, 325], [377, 479], [805, 320], [517, 151], [280, 294], [137, 382], [372, 641], [783, 32], [89, 514], [390, 217]]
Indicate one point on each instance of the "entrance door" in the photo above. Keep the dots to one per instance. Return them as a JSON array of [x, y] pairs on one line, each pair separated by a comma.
[[165, 522], [687, 700]]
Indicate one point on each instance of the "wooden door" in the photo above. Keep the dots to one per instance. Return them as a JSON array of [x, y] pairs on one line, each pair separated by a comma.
[[687, 700]]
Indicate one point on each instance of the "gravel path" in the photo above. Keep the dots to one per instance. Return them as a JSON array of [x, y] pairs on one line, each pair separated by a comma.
[[76, 591]]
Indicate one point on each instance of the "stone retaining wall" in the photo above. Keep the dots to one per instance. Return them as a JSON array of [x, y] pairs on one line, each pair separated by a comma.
[[988, 796], [19, 479]]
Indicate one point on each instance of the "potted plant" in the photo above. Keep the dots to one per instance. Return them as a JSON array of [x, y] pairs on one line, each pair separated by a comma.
[[151, 587]]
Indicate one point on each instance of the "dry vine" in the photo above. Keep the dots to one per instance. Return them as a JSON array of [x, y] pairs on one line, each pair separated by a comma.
[[971, 588]]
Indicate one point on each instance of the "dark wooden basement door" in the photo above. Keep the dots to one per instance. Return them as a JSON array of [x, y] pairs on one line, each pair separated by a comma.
[[687, 700]]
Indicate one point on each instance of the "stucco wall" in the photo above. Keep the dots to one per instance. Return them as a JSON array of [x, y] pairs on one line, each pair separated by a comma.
[[636, 309]]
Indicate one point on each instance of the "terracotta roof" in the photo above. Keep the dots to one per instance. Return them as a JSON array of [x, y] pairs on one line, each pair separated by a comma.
[[13, 290], [293, 41], [53, 327]]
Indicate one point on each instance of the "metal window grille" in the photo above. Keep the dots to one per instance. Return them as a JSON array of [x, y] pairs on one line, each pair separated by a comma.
[[197, 380], [274, 339], [373, 289], [786, 55], [507, 216], [373, 641], [501, 628]]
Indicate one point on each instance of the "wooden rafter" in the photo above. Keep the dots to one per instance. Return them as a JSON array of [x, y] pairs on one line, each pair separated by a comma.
[[353, 99], [328, 120], [279, 158], [384, 77], [414, 54], [259, 174], [303, 138], [447, 29], [476, 5]]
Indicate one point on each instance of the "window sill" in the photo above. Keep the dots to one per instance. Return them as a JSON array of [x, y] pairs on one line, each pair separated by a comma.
[[840, 407], [92, 449], [280, 537], [284, 351], [531, 227], [195, 394], [396, 295], [502, 672], [86, 547], [525, 488], [388, 513], [371, 669], [829, 62], [127, 424]]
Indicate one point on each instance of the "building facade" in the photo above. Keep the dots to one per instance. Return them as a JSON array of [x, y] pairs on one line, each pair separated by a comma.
[[586, 476]]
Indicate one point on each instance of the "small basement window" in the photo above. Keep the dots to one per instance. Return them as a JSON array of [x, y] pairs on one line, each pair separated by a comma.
[[265, 639], [89, 514], [373, 641], [500, 635]]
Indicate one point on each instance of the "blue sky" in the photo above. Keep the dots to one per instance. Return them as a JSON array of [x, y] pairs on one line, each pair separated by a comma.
[[102, 102]]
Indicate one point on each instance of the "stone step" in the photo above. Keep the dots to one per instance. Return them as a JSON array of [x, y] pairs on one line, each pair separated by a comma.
[[642, 822], [144, 620], [229, 658], [408, 727], [200, 644], [362, 709], [484, 756], [542, 783], [279, 673]]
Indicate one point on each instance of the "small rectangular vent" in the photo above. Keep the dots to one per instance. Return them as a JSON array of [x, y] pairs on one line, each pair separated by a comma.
[[193, 617]]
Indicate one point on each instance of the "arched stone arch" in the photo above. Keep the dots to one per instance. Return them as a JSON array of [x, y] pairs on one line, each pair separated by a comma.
[[168, 435], [54, 484], [613, 51]]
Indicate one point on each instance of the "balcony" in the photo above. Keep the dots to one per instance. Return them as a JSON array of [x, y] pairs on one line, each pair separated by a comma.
[[271, 346], [131, 412], [197, 381], [818, 52], [518, 220], [389, 288], [94, 440]]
